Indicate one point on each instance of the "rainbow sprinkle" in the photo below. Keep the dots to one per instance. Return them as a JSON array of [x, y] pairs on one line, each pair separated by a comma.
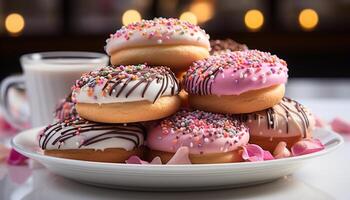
[[159, 28]]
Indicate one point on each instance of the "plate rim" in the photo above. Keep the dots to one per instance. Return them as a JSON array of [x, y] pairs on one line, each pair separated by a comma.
[[37, 156]]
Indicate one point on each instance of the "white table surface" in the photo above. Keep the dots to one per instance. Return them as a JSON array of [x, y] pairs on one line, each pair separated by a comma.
[[326, 177]]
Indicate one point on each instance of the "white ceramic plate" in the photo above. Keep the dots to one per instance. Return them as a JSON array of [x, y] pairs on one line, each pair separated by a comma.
[[171, 177]]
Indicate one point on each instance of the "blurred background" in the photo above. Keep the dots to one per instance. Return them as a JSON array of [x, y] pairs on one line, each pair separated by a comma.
[[311, 35]]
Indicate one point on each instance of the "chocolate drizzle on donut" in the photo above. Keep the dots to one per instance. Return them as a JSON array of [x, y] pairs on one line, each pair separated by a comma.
[[73, 128], [271, 115], [112, 77]]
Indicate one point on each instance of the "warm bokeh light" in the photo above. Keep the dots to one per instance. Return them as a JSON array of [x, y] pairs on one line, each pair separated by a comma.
[[131, 16], [189, 16], [254, 19], [14, 23], [203, 10], [308, 19]]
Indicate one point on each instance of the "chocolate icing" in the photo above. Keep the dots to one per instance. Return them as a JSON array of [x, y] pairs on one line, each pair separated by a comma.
[[72, 128], [116, 75], [271, 115]]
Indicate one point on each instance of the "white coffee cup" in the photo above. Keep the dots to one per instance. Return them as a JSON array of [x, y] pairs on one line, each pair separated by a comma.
[[48, 78]]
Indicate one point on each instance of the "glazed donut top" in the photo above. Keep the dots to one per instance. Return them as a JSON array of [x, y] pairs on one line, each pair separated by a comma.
[[286, 119], [201, 131], [125, 84], [221, 46], [159, 31], [233, 73], [82, 134]]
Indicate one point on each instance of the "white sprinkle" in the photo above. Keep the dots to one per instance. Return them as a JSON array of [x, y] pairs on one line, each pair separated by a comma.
[[159, 41], [191, 144]]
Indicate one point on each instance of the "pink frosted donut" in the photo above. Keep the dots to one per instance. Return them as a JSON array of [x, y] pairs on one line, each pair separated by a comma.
[[211, 138], [245, 81]]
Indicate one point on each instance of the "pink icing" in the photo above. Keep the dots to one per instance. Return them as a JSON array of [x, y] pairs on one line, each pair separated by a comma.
[[229, 82], [233, 73], [202, 132]]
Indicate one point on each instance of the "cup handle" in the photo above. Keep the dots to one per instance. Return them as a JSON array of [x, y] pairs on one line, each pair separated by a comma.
[[6, 84]]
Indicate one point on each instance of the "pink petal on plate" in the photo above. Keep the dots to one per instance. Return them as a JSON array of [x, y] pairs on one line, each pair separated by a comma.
[[16, 158], [268, 155], [306, 146], [339, 125], [281, 151], [253, 152], [137, 160], [319, 122], [156, 161], [180, 157]]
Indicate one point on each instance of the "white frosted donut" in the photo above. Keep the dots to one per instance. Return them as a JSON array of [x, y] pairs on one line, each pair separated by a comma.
[[124, 94], [159, 31]]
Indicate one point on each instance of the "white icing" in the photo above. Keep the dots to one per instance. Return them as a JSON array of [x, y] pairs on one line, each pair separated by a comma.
[[75, 141], [173, 36], [136, 95]]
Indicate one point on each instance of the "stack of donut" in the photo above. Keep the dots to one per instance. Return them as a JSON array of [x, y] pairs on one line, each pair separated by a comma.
[[170, 87]]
